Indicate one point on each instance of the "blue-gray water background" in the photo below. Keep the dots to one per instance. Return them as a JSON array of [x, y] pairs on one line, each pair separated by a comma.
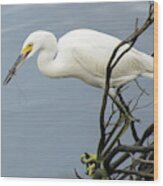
[[47, 124]]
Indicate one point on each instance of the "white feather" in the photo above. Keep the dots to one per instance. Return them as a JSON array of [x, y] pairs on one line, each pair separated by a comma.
[[84, 54]]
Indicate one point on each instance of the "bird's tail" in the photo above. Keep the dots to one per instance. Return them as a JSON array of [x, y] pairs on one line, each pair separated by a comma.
[[148, 75], [148, 64]]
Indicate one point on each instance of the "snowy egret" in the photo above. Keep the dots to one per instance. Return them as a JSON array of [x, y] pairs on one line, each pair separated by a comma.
[[82, 54]]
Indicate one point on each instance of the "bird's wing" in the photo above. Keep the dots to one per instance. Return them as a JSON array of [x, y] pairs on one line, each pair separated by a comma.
[[133, 62], [92, 51], [92, 59], [95, 60]]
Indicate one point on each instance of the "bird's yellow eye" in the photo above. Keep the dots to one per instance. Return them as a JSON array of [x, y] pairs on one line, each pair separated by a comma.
[[30, 45]]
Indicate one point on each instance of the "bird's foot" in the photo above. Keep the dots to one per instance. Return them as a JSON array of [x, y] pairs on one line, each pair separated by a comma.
[[91, 163]]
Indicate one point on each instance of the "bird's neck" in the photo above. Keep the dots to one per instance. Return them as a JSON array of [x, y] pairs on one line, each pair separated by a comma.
[[49, 65]]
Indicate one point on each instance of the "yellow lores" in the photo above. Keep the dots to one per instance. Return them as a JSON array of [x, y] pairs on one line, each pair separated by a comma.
[[26, 50]]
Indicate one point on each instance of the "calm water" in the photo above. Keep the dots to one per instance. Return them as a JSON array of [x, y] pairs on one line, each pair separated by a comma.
[[47, 124]]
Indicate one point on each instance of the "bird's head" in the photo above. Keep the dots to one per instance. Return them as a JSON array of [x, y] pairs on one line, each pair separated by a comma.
[[34, 42]]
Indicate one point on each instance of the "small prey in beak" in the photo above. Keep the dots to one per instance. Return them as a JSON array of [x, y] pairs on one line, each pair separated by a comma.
[[20, 60], [13, 70]]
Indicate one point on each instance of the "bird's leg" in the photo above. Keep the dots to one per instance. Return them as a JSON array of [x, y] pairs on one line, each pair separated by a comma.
[[119, 101], [118, 92]]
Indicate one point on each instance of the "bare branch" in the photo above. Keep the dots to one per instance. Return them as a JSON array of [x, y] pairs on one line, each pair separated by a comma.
[[141, 160], [111, 64], [77, 175], [112, 152], [137, 173]]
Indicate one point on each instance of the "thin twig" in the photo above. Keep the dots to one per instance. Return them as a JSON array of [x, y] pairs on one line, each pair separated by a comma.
[[111, 64], [141, 160], [77, 175], [138, 173]]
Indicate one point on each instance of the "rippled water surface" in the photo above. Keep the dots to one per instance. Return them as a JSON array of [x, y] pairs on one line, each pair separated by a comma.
[[47, 124]]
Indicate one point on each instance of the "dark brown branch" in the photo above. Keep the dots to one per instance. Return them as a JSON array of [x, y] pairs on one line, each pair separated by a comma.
[[122, 130], [120, 160], [111, 64], [113, 130], [134, 132], [147, 133], [143, 161], [139, 86], [77, 175], [137, 173], [111, 154], [124, 148]]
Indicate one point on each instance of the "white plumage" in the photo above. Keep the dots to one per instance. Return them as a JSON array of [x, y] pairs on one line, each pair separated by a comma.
[[83, 54]]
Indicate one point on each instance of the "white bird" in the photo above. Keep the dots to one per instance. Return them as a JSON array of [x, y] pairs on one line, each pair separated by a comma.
[[82, 54]]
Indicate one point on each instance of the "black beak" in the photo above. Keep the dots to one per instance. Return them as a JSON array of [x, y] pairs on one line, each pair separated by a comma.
[[13, 70]]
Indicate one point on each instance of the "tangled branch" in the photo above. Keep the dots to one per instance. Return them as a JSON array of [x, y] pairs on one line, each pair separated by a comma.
[[111, 153], [113, 61]]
